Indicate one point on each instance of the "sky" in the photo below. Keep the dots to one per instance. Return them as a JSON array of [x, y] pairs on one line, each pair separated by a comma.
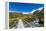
[[24, 7]]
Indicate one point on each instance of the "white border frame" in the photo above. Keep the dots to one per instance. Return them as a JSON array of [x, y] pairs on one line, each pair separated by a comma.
[[2, 15], [8, 14]]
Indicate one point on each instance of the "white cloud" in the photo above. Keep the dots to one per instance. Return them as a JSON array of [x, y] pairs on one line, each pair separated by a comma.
[[33, 11], [14, 11], [37, 9], [25, 12], [11, 11], [40, 8]]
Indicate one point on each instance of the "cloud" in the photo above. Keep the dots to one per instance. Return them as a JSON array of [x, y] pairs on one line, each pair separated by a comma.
[[33, 11], [25, 12], [40, 8], [37, 9], [11, 11], [14, 11]]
